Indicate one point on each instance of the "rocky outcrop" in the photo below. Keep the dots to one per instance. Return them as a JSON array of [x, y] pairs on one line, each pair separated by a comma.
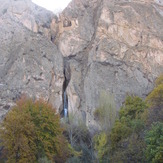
[[31, 16], [116, 46], [94, 45], [29, 62]]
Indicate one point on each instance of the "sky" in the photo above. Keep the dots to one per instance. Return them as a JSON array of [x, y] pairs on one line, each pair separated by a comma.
[[53, 5]]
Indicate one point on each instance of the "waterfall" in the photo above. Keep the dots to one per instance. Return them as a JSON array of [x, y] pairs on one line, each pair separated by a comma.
[[67, 76], [65, 105]]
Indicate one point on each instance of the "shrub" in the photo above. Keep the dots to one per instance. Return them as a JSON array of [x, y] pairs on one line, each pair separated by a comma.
[[129, 119], [73, 160], [44, 160], [154, 142], [133, 107], [78, 135], [155, 101], [159, 80], [75, 129], [137, 125], [119, 132], [129, 150], [155, 98], [101, 145]]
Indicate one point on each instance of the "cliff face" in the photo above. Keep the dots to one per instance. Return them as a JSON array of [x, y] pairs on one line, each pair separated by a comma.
[[94, 45], [29, 62], [116, 46]]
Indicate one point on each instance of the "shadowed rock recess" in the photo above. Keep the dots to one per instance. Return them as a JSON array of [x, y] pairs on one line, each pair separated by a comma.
[[94, 45]]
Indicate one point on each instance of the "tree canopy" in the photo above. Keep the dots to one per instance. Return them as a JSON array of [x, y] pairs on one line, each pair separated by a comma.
[[31, 130], [154, 141]]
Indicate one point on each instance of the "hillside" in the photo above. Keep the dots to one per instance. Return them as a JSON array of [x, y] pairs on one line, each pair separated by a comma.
[[94, 45]]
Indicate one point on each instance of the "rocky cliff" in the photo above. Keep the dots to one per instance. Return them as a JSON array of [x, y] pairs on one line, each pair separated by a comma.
[[94, 45], [116, 46], [29, 62]]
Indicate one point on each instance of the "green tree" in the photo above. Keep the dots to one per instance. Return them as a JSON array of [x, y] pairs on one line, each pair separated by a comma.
[[119, 132], [129, 150], [132, 107], [31, 130], [129, 119], [154, 141], [127, 130]]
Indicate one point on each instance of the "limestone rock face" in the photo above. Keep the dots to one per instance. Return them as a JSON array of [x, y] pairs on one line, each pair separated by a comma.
[[33, 17], [29, 62], [116, 46], [94, 45]]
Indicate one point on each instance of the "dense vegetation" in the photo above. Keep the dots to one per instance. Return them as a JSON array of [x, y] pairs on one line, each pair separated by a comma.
[[32, 132], [137, 135]]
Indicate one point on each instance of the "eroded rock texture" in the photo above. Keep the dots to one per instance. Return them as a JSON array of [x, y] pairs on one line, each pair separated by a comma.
[[94, 45], [115, 46], [29, 62]]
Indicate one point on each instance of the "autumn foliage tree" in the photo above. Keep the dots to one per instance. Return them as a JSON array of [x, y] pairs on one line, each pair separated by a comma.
[[18, 136], [31, 130]]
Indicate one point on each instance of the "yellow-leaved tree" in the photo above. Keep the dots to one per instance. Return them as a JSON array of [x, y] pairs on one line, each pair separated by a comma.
[[31, 131]]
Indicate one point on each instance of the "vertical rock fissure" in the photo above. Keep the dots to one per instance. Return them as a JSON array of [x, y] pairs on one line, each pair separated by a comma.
[[67, 76]]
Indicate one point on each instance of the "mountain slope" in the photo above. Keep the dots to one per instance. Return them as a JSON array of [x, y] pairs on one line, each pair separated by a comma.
[[94, 45]]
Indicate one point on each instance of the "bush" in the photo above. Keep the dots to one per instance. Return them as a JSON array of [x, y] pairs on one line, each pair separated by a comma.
[[129, 119], [155, 98], [154, 142], [79, 137], [73, 160], [119, 132], [127, 143], [155, 101], [137, 125], [75, 129], [129, 150], [133, 107], [101, 145], [159, 80], [31, 130], [44, 160]]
